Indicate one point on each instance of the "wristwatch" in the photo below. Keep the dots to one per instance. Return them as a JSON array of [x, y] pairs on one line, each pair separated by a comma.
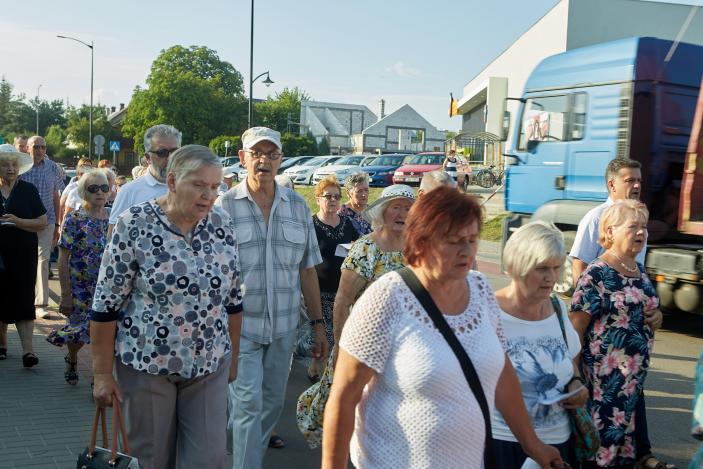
[[576, 378], [313, 322]]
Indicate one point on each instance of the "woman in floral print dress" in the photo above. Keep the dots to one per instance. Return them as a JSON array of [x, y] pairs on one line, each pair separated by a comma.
[[81, 247], [608, 310]]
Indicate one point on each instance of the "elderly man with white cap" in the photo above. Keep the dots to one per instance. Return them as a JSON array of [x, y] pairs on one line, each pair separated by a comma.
[[278, 253]]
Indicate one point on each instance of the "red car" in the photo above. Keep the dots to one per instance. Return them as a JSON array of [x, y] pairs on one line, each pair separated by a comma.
[[411, 172]]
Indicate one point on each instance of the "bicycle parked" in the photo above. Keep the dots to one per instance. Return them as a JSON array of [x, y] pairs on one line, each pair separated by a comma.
[[489, 177]]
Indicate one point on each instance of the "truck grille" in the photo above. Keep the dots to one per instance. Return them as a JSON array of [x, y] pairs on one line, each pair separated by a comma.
[[622, 149]]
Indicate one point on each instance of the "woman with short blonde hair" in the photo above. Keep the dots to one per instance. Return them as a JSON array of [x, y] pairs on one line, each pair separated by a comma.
[[357, 187], [608, 309]]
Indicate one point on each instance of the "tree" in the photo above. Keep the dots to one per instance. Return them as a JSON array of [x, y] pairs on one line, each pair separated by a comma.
[[78, 126], [217, 145], [298, 145], [56, 144], [279, 111], [193, 90]]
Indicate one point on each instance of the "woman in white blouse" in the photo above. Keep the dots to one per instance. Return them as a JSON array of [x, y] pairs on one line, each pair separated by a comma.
[[399, 397], [542, 356]]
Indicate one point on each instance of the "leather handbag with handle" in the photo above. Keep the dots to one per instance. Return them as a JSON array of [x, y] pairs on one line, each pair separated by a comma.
[[96, 457]]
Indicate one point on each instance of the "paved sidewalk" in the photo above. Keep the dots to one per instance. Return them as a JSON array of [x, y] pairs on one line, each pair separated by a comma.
[[45, 423]]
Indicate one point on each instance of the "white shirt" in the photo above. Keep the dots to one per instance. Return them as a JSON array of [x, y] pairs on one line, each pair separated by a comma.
[[544, 367], [586, 247], [71, 185], [136, 192], [418, 410], [74, 200]]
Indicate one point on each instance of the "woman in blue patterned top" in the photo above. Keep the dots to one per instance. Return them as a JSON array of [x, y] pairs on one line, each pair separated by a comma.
[[608, 311], [543, 356], [167, 305], [357, 186], [81, 247]]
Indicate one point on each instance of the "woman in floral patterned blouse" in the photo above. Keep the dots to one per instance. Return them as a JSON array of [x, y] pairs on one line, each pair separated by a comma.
[[168, 305], [608, 311], [81, 247]]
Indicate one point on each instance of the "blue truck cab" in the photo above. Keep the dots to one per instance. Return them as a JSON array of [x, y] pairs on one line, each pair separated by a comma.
[[632, 98]]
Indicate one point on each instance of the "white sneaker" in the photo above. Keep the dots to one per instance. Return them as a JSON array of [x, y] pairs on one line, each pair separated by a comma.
[[41, 313]]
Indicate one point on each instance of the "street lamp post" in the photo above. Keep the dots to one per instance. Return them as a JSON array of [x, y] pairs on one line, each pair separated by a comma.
[[267, 81], [90, 112], [37, 104]]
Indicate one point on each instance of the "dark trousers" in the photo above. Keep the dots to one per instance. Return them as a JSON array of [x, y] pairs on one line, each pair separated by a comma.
[[644, 447], [509, 454]]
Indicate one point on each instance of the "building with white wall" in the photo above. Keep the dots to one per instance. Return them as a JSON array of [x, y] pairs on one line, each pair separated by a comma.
[[336, 122], [568, 25]]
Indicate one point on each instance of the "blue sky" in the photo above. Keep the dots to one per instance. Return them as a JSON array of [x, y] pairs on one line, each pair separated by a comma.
[[407, 52]]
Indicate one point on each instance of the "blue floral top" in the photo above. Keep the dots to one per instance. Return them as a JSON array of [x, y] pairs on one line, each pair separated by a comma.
[[615, 353], [169, 293], [361, 224]]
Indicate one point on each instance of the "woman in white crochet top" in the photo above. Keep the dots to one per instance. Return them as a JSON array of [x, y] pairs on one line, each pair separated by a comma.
[[399, 397]]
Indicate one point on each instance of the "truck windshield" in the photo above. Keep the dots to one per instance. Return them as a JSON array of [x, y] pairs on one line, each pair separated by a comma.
[[553, 119]]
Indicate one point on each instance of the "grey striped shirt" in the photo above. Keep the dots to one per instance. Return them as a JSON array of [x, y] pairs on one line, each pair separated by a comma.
[[271, 257]]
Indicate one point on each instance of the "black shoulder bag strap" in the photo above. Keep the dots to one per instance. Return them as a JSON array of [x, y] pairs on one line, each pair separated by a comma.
[[557, 310], [467, 367]]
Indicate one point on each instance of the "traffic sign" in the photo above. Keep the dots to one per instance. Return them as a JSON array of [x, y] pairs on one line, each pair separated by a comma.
[[99, 150], [99, 140], [114, 145]]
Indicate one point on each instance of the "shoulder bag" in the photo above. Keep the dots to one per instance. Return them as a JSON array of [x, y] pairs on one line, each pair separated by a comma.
[[467, 367], [584, 431]]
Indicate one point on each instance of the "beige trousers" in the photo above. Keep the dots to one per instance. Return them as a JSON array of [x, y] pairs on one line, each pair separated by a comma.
[[41, 289]]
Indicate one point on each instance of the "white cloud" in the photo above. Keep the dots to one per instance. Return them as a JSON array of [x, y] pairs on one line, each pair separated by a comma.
[[403, 70]]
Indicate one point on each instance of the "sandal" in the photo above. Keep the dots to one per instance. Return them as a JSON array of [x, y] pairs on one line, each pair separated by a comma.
[[649, 461], [70, 375], [29, 360], [276, 442], [3, 353]]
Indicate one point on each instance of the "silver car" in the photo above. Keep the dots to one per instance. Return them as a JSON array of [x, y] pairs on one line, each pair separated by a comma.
[[302, 174]]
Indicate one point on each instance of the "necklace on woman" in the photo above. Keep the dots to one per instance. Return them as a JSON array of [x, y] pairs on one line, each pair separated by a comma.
[[624, 266]]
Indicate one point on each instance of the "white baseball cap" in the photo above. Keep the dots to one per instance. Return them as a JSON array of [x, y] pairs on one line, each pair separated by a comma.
[[258, 134]]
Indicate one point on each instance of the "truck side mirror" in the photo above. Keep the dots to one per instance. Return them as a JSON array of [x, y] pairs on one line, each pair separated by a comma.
[[532, 145]]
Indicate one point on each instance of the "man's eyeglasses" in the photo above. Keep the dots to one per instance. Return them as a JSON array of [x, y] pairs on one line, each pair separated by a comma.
[[163, 153], [331, 196], [272, 155], [39, 147], [94, 188]]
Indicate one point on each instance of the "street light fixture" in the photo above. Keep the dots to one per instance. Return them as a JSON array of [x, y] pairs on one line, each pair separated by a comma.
[[37, 104], [90, 117], [267, 81]]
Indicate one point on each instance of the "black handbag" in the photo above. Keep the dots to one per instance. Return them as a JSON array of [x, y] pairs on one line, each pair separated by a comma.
[[95, 457], [423, 296]]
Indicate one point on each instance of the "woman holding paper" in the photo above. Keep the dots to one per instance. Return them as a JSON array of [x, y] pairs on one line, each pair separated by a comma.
[[332, 230], [541, 346]]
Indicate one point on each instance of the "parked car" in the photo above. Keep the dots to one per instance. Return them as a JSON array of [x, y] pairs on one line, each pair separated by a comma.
[[229, 161], [235, 168], [412, 171], [68, 175], [302, 174], [293, 161], [341, 168], [381, 168]]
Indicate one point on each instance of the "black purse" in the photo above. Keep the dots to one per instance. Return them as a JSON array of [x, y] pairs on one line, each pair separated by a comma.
[[95, 457], [467, 367]]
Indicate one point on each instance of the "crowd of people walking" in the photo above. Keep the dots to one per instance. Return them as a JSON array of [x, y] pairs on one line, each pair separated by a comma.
[[191, 295]]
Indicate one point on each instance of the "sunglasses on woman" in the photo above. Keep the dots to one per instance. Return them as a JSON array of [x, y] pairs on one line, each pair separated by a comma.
[[94, 188]]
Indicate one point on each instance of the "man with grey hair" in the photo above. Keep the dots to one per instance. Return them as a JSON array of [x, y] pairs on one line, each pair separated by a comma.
[[159, 142], [20, 143], [433, 179], [47, 177], [278, 253]]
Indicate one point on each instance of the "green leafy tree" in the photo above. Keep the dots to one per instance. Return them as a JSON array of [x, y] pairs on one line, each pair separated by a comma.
[[57, 144], [78, 127], [193, 90], [298, 145], [217, 145], [282, 111]]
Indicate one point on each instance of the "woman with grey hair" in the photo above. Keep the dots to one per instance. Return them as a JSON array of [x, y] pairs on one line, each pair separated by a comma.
[[542, 344], [376, 253], [83, 239], [357, 187], [168, 305], [22, 215]]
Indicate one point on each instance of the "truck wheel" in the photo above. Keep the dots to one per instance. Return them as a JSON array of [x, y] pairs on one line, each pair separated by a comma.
[[565, 285]]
